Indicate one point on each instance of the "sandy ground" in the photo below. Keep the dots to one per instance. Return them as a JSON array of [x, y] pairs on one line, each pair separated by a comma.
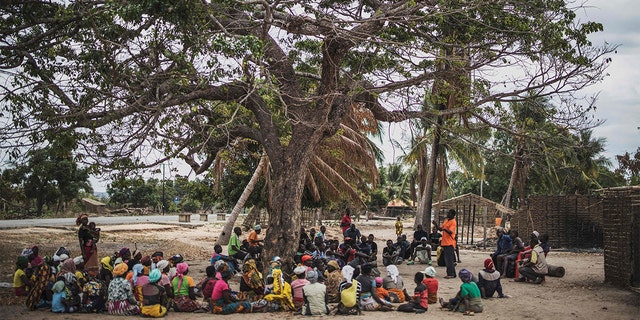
[[580, 294]]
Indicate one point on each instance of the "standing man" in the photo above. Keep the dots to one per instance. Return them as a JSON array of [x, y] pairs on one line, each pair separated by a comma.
[[345, 223], [448, 242]]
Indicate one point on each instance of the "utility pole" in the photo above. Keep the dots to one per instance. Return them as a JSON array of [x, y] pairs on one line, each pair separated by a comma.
[[163, 188]]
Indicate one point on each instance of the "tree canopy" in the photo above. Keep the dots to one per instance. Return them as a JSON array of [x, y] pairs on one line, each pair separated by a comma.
[[140, 82]]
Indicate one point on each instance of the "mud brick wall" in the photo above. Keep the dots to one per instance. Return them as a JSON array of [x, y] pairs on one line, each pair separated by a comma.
[[622, 237], [572, 221]]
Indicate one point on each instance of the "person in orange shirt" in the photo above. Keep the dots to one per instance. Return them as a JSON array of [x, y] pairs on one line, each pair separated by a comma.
[[255, 246], [448, 242]]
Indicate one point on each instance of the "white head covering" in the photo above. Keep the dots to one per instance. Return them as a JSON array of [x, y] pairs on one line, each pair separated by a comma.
[[162, 264], [430, 271], [300, 270], [393, 272], [78, 260], [347, 272], [536, 233]]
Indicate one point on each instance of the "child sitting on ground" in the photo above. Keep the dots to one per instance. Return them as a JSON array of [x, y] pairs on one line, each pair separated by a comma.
[[420, 302]]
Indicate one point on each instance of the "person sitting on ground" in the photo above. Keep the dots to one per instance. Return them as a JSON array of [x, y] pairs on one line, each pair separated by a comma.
[[59, 299], [350, 290], [535, 268], [374, 247], [251, 282], [420, 302], [296, 286], [390, 254], [333, 277], [422, 252], [304, 236], [489, 281], [206, 285], [315, 296], [511, 255], [21, 283], [278, 293], [217, 256], [394, 284], [468, 299], [121, 300], [352, 233], [184, 290], [222, 300], [434, 239], [405, 247], [432, 284], [322, 234], [369, 298], [255, 244], [417, 236], [154, 297], [165, 282]]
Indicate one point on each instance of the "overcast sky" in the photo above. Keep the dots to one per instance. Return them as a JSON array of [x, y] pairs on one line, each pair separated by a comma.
[[619, 100], [618, 96]]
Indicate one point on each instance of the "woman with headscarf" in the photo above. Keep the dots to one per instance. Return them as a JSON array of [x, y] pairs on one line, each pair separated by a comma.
[[38, 295], [106, 269], [333, 277], [251, 282], [468, 299], [489, 280], [121, 300], [72, 287], [222, 301], [154, 296], [184, 290], [278, 291], [394, 284], [88, 238], [350, 290], [94, 295], [163, 266], [139, 279], [315, 296]]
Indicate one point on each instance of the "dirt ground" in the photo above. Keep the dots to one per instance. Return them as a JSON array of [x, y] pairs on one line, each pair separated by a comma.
[[580, 294]]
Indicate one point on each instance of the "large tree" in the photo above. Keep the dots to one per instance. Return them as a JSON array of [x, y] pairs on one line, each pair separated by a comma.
[[142, 82]]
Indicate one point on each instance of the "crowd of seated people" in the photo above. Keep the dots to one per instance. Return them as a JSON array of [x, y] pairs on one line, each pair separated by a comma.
[[330, 277]]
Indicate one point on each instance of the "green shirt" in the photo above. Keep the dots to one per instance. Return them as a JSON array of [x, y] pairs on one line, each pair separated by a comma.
[[469, 289], [233, 242]]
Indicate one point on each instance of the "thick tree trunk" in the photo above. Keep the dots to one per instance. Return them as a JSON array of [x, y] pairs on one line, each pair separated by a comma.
[[427, 195], [283, 233], [225, 235]]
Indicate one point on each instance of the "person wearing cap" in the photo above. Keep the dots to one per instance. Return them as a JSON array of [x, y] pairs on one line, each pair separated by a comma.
[[315, 296], [535, 268], [423, 252], [297, 284], [432, 284], [417, 235], [448, 242], [255, 246], [154, 296]]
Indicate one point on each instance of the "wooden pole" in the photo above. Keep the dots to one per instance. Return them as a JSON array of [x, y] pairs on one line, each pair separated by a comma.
[[484, 224]]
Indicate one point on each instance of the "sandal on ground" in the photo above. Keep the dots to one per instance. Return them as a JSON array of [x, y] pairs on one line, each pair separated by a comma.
[[468, 313]]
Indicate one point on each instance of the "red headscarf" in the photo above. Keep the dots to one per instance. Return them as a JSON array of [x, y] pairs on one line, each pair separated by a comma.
[[488, 264]]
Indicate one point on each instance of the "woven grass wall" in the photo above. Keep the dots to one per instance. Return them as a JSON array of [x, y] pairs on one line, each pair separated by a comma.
[[573, 221]]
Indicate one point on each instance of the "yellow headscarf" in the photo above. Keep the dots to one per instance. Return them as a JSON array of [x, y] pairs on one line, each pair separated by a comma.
[[105, 263], [120, 269]]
